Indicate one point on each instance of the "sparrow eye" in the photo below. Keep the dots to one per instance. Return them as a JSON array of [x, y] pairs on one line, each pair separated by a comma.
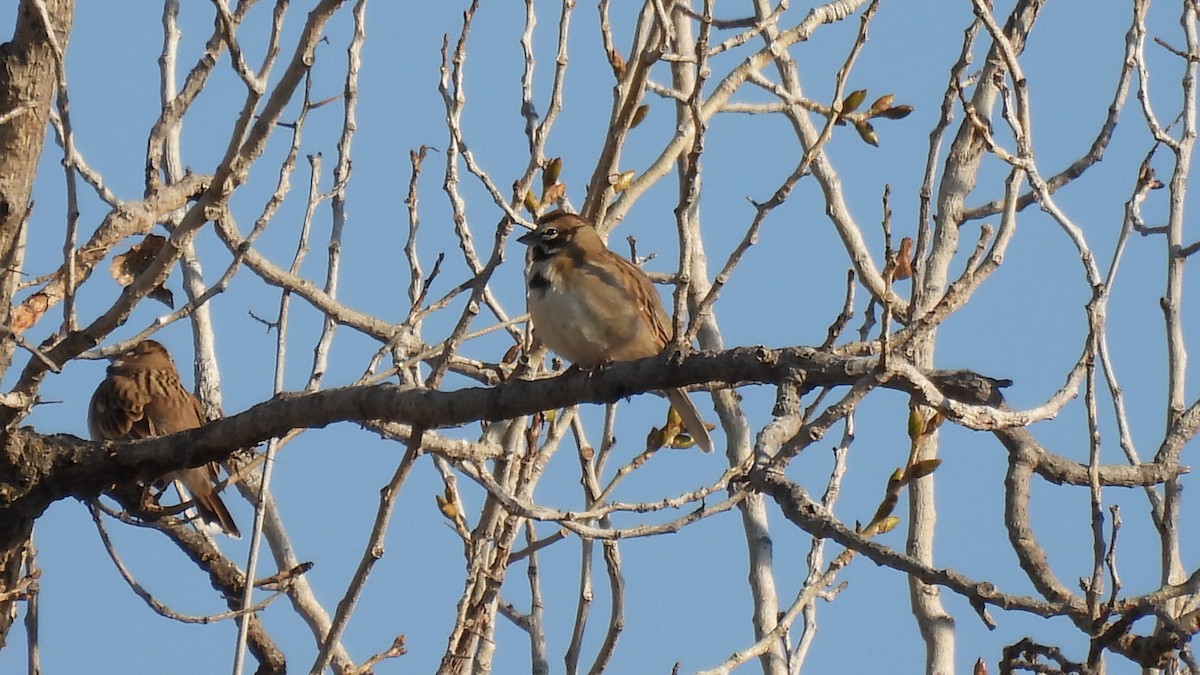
[[550, 233]]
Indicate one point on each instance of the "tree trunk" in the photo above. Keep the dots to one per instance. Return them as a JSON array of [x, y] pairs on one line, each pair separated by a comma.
[[28, 75]]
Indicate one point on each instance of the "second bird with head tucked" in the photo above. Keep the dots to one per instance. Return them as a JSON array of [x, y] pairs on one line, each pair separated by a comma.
[[592, 306]]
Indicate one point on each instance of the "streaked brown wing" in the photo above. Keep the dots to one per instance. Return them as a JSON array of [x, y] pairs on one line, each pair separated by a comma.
[[117, 410], [649, 302], [168, 406], [172, 408]]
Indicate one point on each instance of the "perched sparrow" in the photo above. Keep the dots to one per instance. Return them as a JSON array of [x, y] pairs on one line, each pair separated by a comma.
[[592, 306], [141, 397]]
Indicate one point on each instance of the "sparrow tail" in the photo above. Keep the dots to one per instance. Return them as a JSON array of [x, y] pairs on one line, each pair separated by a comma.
[[208, 503]]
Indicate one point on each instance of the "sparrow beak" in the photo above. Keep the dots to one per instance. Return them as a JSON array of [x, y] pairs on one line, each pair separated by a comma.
[[528, 238]]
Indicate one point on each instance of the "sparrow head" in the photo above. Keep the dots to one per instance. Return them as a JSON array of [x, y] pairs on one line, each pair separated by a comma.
[[558, 231], [147, 353]]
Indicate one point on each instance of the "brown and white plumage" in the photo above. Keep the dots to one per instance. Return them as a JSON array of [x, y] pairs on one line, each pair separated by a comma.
[[142, 397], [592, 306]]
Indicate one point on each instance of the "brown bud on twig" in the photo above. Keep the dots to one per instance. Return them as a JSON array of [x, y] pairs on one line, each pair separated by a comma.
[[897, 112], [882, 103], [639, 115]]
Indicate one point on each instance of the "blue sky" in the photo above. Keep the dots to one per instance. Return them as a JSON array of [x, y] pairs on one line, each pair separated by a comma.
[[687, 598]]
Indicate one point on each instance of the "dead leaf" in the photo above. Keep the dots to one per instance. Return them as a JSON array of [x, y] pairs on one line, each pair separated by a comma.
[[554, 193], [618, 63], [127, 266], [904, 268], [29, 312]]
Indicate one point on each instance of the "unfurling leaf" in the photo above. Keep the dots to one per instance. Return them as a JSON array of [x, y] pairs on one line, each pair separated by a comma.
[[682, 441], [921, 469], [886, 525], [531, 203], [674, 435], [1147, 177], [639, 115], [655, 439], [621, 181], [447, 507], [916, 423], [898, 112], [853, 100], [551, 172], [878, 525], [882, 103], [127, 266], [891, 497], [866, 132]]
